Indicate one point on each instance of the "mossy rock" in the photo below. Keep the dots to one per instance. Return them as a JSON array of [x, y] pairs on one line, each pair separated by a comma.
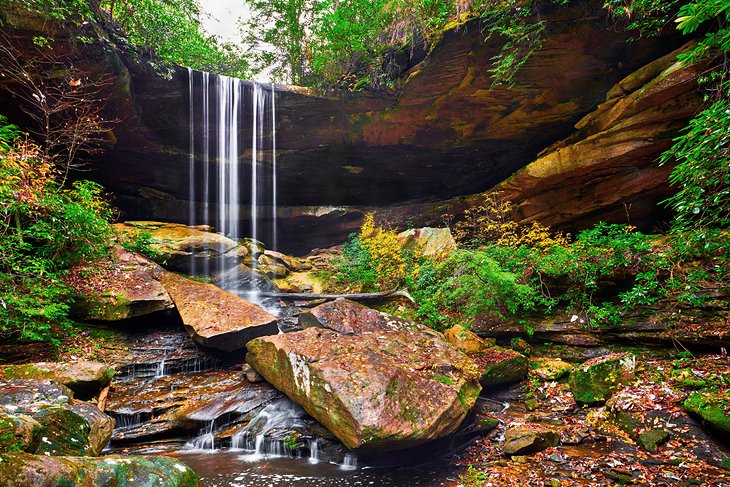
[[651, 439], [79, 429], [23, 470], [84, 378], [466, 340], [500, 366], [598, 379], [18, 432], [521, 440], [712, 408], [550, 368]]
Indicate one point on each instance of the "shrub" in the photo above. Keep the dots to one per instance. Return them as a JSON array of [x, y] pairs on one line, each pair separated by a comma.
[[44, 230]]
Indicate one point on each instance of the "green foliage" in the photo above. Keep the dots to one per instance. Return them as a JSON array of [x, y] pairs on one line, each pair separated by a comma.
[[172, 29], [352, 43], [44, 230], [8, 133], [702, 174], [469, 284], [141, 244]]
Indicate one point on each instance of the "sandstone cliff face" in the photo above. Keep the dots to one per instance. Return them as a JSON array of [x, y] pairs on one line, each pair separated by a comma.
[[448, 132]]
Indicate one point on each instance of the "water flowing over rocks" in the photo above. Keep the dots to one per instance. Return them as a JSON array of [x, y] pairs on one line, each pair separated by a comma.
[[374, 390], [216, 318]]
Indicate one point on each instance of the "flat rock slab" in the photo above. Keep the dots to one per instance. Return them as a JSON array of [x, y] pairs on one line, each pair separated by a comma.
[[215, 318], [125, 289], [382, 390], [349, 317], [180, 247], [84, 378]]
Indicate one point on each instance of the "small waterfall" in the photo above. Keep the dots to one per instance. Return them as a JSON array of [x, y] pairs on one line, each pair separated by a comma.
[[231, 187], [205, 439], [314, 451], [259, 435], [349, 462], [160, 372]]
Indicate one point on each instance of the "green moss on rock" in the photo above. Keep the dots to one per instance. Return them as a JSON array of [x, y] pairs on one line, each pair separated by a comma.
[[598, 379], [712, 408]]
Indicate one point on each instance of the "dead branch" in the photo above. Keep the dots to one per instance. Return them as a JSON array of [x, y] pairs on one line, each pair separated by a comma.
[[381, 296]]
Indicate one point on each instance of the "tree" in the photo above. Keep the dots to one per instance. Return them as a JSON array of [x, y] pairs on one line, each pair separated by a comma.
[[63, 103], [277, 34], [172, 29]]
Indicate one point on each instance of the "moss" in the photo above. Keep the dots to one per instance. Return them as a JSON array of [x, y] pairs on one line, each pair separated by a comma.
[[710, 408], [598, 379]]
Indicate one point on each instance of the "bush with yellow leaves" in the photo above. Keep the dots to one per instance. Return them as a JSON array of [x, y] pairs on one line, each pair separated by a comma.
[[493, 222]]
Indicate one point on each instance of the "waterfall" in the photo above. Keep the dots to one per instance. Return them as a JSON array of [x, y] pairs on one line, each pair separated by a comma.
[[217, 145]]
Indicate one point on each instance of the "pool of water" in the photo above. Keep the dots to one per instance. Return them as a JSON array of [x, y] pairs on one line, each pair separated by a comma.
[[239, 469]]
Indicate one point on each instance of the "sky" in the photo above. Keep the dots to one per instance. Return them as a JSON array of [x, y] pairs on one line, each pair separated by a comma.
[[222, 19]]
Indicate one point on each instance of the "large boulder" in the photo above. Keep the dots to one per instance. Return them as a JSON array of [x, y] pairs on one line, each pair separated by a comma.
[[18, 432], [182, 248], [84, 378], [23, 470], [215, 318], [65, 426], [125, 288], [598, 379], [346, 316], [382, 390], [435, 243]]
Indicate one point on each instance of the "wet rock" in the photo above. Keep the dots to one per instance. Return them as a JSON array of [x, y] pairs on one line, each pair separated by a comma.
[[294, 264], [598, 379], [382, 390], [466, 340], [22, 470], [434, 243], [215, 318], [711, 407], [500, 366], [147, 408], [550, 368], [271, 268], [126, 289], [244, 277], [84, 378], [345, 316], [521, 440], [651, 439], [182, 248], [18, 432], [67, 426]]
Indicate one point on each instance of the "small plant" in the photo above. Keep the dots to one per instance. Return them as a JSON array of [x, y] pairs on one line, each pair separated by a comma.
[[292, 441], [142, 243], [474, 477]]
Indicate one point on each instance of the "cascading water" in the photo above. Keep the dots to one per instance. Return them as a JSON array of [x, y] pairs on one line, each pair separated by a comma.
[[222, 101]]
